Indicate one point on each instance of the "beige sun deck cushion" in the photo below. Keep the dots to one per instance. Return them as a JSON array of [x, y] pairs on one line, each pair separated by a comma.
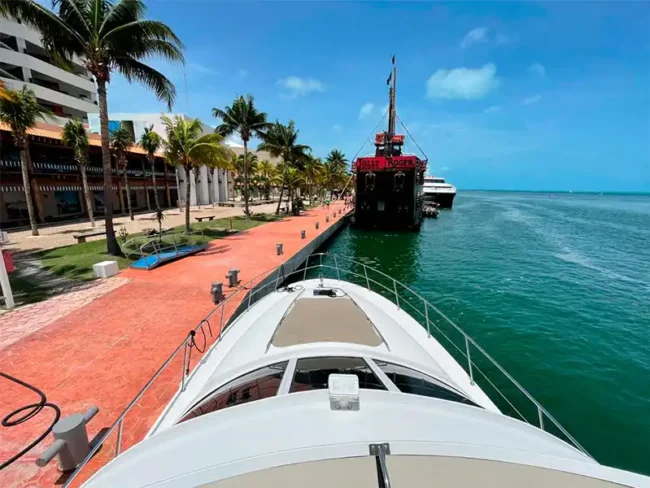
[[410, 472], [325, 320]]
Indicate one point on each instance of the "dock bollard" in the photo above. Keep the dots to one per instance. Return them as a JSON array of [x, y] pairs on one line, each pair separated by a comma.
[[303, 234], [216, 290], [327, 219], [278, 249], [70, 441], [317, 225], [233, 278]]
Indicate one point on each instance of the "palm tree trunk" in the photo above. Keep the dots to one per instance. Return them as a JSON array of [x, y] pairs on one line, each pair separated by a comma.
[[153, 179], [146, 188], [178, 187], [246, 179], [28, 190], [277, 210], [195, 171], [112, 247], [121, 195], [211, 192], [169, 195], [309, 188], [128, 190], [187, 200], [36, 191], [89, 202]]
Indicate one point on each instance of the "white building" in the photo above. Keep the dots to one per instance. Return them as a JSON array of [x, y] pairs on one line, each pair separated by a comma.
[[217, 188], [24, 61]]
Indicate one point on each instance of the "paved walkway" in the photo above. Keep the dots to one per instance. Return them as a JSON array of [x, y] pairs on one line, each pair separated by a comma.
[[61, 235], [102, 352]]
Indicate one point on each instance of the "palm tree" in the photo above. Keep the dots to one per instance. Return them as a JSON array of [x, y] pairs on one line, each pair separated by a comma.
[[189, 148], [242, 117], [242, 169], [312, 168], [151, 141], [160, 216], [333, 174], [121, 141], [107, 36], [293, 178], [266, 171], [281, 141], [74, 136], [337, 159], [20, 111]]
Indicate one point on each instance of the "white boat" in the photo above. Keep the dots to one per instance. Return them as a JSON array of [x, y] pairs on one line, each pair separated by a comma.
[[327, 383], [439, 191]]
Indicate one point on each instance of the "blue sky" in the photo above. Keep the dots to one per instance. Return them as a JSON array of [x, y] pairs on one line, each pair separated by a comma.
[[519, 96]]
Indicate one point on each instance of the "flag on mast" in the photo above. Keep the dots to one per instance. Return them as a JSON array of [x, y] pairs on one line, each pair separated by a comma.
[[393, 59], [390, 77]]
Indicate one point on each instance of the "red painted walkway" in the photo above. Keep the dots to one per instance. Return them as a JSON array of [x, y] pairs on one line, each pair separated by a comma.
[[104, 352]]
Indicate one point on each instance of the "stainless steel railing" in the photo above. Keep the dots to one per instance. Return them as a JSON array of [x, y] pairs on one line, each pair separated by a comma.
[[269, 281]]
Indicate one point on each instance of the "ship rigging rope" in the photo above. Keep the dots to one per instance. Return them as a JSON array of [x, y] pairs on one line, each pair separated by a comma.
[[17, 417], [411, 136], [371, 133]]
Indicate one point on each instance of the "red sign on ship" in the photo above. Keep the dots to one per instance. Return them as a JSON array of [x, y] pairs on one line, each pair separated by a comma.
[[382, 163]]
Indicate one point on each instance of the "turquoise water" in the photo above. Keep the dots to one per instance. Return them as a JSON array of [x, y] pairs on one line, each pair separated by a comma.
[[556, 289]]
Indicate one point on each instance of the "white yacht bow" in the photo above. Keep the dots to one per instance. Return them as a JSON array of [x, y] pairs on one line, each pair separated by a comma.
[[326, 382]]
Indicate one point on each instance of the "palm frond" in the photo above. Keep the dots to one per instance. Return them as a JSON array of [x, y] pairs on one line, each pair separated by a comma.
[[119, 13], [143, 29], [121, 139], [20, 110], [150, 140], [242, 117], [74, 134], [134, 70], [75, 14]]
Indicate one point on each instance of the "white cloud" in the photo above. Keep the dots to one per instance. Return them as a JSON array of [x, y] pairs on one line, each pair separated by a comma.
[[492, 109], [475, 36], [537, 69], [463, 83], [336, 128], [298, 87], [242, 73], [530, 100], [366, 109]]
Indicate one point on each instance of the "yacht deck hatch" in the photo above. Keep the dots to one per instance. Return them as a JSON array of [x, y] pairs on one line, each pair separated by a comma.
[[336, 319]]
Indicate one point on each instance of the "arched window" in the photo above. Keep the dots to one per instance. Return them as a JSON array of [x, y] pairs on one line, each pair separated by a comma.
[[398, 181], [370, 181]]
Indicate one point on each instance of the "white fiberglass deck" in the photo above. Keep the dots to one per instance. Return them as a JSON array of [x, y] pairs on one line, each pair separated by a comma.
[[293, 437]]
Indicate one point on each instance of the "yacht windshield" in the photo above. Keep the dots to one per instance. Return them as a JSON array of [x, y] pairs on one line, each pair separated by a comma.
[[313, 373], [408, 380], [256, 385]]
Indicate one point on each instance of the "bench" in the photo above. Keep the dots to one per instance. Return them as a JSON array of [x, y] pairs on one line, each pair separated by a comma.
[[82, 237], [226, 204], [201, 219]]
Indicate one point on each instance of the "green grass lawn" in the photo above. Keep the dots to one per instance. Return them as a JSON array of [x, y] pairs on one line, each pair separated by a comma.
[[76, 261]]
